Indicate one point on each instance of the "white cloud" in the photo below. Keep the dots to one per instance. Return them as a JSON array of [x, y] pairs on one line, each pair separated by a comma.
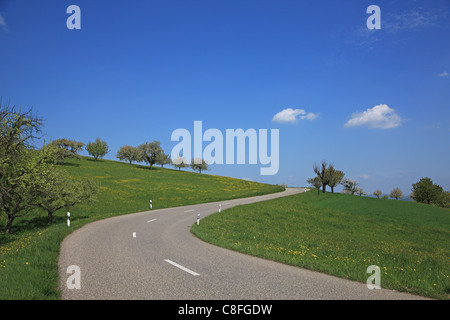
[[443, 74], [394, 24], [379, 117], [365, 176], [290, 115], [405, 21]]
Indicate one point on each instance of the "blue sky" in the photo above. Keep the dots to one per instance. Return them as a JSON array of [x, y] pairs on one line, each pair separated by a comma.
[[375, 103]]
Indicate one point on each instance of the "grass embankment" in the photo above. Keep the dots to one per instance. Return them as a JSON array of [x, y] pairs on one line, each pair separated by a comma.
[[29, 256], [342, 235]]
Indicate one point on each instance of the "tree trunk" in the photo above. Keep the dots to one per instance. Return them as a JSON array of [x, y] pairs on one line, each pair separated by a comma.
[[50, 218], [9, 223]]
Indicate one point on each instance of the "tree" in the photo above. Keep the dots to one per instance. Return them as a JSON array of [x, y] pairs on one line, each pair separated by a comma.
[[67, 148], [443, 200], [97, 149], [17, 129], [199, 165], [396, 193], [350, 185], [359, 191], [378, 193], [21, 182], [426, 191], [180, 162], [316, 183], [163, 159], [59, 191], [20, 165], [334, 177], [129, 153], [323, 174], [150, 152]]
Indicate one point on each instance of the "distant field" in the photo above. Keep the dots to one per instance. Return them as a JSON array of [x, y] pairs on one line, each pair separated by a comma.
[[29, 256], [342, 235]]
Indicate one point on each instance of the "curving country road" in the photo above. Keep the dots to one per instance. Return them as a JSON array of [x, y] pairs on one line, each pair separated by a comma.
[[153, 255]]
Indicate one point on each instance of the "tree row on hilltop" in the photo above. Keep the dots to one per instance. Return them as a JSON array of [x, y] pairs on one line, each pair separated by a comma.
[[152, 153]]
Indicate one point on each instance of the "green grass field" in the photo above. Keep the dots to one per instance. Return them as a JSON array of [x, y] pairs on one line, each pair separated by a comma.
[[342, 235], [29, 255]]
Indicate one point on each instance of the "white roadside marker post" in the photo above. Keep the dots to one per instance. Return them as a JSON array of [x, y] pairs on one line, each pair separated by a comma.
[[198, 218], [68, 219], [220, 208], [151, 205]]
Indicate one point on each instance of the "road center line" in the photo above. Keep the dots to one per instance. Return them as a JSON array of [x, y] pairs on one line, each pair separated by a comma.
[[181, 267], [151, 220], [189, 210], [134, 234]]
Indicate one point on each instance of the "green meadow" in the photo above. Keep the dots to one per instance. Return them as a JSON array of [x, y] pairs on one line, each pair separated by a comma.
[[343, 235], [29, 255]]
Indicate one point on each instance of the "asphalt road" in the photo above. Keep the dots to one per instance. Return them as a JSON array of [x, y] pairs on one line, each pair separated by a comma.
[[153, 255]]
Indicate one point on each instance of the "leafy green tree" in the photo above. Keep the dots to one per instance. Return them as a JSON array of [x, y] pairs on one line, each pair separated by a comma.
[[59, 191], [20, 165], [28, 177], [163, 159], [67, 148], [97, 149], [426, 191], [129, 153], [21, 182], [443, 200], [316, 183], [150, 152], [199, 165], [334, 177]]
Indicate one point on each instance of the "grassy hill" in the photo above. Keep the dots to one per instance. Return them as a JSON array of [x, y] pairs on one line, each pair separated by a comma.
[[126, 188], [29, 256], [342, 235]]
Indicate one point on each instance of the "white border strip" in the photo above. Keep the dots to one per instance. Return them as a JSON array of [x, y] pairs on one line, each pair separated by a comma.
[[181, 267]]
